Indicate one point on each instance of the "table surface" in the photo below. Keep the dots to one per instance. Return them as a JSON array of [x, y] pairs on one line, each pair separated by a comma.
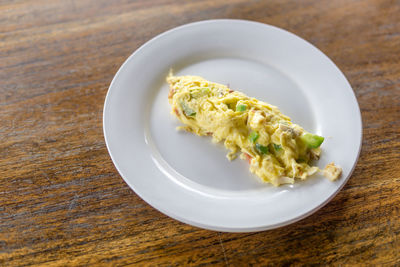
[[62, 202]]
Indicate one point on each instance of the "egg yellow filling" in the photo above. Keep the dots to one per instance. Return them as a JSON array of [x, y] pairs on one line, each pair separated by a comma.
[[277, 150]]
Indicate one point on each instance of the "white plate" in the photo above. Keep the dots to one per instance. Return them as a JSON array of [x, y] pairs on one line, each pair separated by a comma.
[[186, 176]]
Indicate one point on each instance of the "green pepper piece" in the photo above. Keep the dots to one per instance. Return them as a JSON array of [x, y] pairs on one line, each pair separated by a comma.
[[187, 110], [205, 90], [196, 92], [241, 107], [262, 149], [301, 160], [253, 137], [277, 147], [312, 140]]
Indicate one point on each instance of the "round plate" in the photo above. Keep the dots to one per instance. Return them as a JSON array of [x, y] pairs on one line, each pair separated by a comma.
[[189, 178]]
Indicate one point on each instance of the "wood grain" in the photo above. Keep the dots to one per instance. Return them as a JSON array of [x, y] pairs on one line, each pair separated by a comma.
[[62, 202]]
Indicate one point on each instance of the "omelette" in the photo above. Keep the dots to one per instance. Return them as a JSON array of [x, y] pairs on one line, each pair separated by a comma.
[[277, 150]]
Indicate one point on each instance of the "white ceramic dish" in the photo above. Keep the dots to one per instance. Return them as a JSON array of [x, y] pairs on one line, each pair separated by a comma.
[[186, 176]]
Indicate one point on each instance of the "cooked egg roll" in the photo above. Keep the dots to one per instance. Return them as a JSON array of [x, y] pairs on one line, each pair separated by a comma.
[[277, 150]]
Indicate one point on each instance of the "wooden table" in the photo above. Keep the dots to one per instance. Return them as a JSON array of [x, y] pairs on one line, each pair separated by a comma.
[[63, 203]]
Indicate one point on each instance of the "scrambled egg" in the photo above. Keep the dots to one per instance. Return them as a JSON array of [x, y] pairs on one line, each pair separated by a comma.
[[277, 150]]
